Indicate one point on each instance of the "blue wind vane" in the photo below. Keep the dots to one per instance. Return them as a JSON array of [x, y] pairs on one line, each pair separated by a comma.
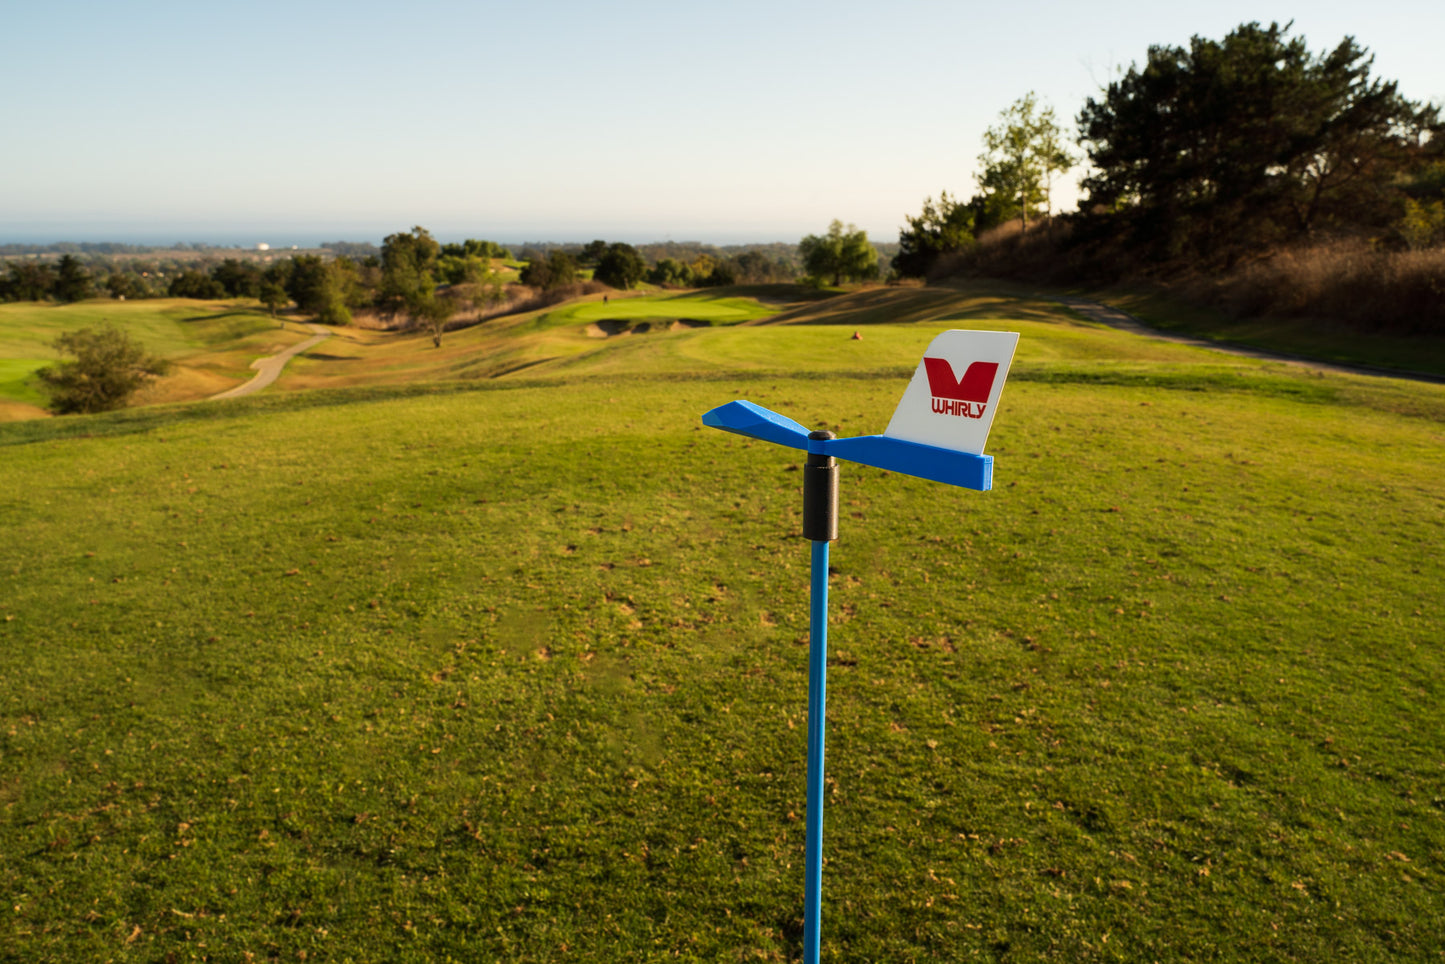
[[937, 433]]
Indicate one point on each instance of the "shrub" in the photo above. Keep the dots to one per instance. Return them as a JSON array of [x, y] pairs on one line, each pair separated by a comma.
[[1423, 224], [109, 368]]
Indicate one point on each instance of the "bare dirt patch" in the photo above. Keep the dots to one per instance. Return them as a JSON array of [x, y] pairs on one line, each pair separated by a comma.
[[20, 411]]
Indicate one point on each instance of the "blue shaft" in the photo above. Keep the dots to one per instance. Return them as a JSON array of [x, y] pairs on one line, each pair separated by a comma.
[[817, 710]]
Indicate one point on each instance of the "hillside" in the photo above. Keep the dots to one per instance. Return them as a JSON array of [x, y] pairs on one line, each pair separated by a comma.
[[209, 344], [514, 667]]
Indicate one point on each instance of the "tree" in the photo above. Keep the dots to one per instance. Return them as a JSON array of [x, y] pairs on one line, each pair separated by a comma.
[[278, 273], [241, 279], [1022, 153], [592, 252], [195, 284], [29, 281], [473, 248], [124, 285], [721, 274], [620, 266], [843, 253], [433, 313], [460, 269], [756, 267], [109, 368], [991, 209], [938, 230], [550, 271], [72, 282], [670, 273], [1236, 143], [408, 263], [273, 295], [319, 289]]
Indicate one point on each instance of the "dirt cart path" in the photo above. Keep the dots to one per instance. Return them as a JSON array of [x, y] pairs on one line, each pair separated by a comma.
[[269, 368]]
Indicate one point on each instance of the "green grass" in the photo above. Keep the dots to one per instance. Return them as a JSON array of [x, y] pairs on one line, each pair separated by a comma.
[[516, 669], [17, 379]]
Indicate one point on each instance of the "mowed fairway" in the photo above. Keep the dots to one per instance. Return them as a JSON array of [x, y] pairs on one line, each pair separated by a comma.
[[516, 669]]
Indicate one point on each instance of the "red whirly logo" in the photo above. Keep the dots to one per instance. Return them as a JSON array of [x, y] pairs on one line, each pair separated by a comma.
[[966, 396]]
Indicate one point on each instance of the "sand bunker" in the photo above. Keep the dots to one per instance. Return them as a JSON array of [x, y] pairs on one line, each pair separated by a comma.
[[613, 327]]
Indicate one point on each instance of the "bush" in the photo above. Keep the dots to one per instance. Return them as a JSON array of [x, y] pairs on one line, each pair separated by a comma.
[[1423, 224], [109, 368]]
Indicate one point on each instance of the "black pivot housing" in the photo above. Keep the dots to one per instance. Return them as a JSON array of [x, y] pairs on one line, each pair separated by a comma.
[[820, 495]]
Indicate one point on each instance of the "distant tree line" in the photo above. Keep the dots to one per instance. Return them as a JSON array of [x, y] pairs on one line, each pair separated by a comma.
[[351, 249], [114, 270], [1210, 153], [75, 247], [671, 264], [414, 279], [389, 279], [38, 281]]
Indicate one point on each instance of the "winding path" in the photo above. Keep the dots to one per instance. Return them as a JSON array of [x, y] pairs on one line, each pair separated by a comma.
[[1118, 318], [269, 367]]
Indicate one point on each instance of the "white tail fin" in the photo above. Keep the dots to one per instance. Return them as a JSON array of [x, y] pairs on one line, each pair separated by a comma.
[[955, 389]]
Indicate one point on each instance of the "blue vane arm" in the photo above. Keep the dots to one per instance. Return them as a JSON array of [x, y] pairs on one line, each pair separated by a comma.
[[880, 451], [754, 421], [913, 458]]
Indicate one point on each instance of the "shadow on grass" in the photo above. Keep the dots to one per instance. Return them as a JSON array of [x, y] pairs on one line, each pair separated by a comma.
[[911, 305], [767, 293], [232, 312]]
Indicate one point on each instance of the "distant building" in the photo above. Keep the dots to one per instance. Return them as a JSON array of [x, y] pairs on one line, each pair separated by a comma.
[[263, 246]]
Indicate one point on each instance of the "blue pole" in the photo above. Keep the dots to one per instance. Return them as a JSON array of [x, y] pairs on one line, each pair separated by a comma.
[[817, 723]]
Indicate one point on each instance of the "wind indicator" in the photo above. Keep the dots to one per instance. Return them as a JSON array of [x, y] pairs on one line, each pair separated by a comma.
[[937, 433]]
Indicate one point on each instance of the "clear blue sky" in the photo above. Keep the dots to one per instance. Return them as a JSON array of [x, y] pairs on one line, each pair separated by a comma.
[[741, 121]]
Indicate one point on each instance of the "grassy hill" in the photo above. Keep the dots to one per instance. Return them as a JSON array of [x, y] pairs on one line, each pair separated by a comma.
[[209, 344], [586, 332], [515, 668]]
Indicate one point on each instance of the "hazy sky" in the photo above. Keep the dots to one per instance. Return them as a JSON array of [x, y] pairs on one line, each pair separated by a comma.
[[740, 121]]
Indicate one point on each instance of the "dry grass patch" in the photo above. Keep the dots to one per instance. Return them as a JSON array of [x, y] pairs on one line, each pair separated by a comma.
[[1348, 280], [12, 411]]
